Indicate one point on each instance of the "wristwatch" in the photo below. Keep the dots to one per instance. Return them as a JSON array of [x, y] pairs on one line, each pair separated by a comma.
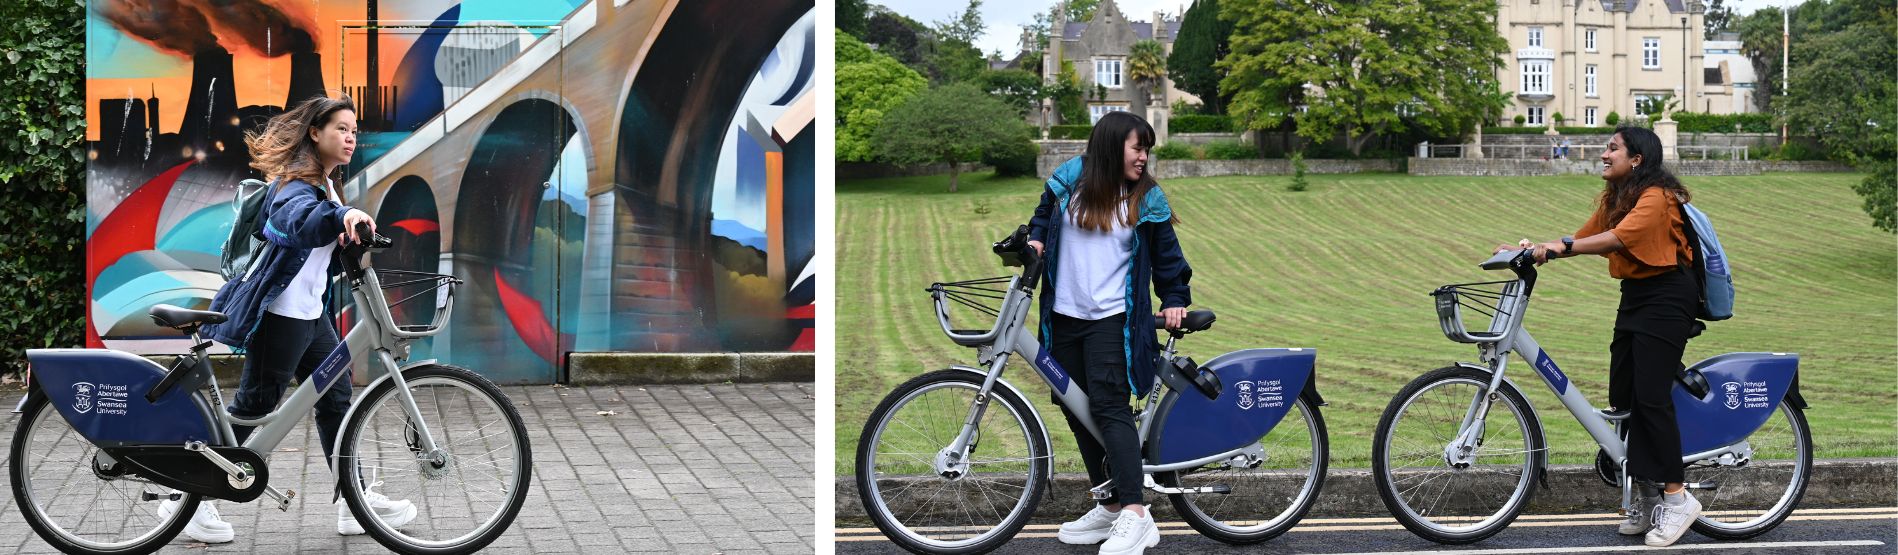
[[1568, 246]]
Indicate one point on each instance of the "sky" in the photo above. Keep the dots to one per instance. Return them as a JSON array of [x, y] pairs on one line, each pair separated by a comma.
[[1004, 18]]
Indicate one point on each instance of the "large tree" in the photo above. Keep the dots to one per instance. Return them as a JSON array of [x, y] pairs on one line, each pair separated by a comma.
[[953, 124], [1019, 89], [899, 37], [1363, 60], [1719, 18], [1843, 93], [869, 86], [1146, 69], [1204, 39], [852, 16]]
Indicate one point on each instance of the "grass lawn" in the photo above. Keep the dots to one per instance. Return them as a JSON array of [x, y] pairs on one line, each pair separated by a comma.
[[1345, 268]]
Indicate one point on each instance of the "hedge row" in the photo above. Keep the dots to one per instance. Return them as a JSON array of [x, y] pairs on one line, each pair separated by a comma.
[[42, 176], [1199, 124]]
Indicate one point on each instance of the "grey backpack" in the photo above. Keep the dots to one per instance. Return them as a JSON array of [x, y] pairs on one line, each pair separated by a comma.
[[247, 233]]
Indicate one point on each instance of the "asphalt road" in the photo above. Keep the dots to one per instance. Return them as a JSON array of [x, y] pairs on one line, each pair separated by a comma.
[[1840, 531]]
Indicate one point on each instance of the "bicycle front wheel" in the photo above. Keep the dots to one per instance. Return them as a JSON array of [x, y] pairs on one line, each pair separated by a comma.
[[455, 498], [930, 500], [77, 500], [1756, 494], [1465, 499], [1268, 495]]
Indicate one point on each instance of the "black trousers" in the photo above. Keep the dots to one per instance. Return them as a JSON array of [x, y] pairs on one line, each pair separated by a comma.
[[280, 347], [1094, 352], [1652, 326]]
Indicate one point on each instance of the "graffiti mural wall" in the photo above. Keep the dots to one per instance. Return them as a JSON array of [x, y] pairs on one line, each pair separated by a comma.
[[607, 175]]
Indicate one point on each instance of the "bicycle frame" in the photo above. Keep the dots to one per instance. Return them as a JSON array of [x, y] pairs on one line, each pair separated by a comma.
[[1011, 337], [1507, 336]]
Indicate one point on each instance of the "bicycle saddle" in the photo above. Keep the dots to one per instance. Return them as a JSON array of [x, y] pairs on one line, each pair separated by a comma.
[[181, 318]]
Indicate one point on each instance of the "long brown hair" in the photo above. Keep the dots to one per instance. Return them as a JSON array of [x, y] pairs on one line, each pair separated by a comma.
[[1103, 183], [1618, 197], [283, 150]]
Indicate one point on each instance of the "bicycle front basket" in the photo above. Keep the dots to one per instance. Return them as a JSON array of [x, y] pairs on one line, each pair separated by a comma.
[[960, 305], [1492, 299]]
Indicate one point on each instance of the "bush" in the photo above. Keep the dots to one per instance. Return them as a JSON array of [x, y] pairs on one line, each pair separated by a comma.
[[42, 174], [1558, 118], [1521, 120], [1298, 174], [1230, 150], [1613, 119], [1724, 123], [1792, 151], [1541, 130], [1176, 150], [1070, 132], [1199, 124], [1016, 159]]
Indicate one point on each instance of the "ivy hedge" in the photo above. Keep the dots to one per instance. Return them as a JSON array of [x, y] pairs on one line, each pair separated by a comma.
[[42, 176]]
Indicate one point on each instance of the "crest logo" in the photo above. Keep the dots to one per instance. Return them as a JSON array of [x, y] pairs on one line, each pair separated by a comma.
[[82, 397], [1733, 394], [1245, 395]]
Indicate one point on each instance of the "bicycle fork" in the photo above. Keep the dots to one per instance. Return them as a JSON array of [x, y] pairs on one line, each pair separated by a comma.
[[952, 462]]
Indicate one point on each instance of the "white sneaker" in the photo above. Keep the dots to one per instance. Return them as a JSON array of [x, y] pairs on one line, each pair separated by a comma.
[[394, 513], [1670, 521], [1090, 529], [1132, 534], [1641, 519], [206, 524]]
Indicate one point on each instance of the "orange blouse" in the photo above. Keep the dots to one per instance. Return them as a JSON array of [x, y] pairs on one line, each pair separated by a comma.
[[1652, 242]]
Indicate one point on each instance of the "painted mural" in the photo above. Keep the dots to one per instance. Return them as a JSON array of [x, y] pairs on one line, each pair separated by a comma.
[[607, 175]]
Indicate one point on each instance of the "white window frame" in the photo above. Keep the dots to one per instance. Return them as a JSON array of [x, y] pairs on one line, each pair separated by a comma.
[[1639, 99], [1588, 81], [1096, 111], [1536, 77], [1588, 116], [1651, 53], [1535, 115], [1107, 72], [1535, 37], [1588, 39]]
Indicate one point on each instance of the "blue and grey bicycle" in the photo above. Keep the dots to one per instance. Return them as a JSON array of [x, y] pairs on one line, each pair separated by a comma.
[[104, 436], [1458, 449], [956, 460]]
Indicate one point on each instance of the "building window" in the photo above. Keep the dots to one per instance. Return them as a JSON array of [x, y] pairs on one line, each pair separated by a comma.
[[1643, 101], [1588, 116], [1588, 39], [1107, 73], [1096, 111], [1535, 77], [1535, 115], [1535, 37], [1651, 53], [1588, 81]]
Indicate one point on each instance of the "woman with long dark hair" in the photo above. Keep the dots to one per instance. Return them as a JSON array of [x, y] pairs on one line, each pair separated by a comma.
[[280, 310], [1637, 226], [1105, 231]]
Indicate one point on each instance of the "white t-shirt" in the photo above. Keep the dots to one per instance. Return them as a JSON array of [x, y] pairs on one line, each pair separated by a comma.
[[1091, 274], [303, 298]]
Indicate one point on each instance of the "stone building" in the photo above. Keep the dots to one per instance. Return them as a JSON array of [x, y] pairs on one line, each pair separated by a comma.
[[1586, 58], [1098, 49]]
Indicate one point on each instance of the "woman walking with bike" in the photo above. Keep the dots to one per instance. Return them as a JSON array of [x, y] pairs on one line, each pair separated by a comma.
[[1637, 226], [280, 310], [1105, 231]]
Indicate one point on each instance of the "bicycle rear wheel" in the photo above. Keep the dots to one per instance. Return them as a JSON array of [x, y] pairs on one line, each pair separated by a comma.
[[1455, 503], [467, 491], [1757, 494], [79, 503], [929, 501], [1268, 498]]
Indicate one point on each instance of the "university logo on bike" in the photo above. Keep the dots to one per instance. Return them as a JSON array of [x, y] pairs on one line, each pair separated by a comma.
[[82, 397], [1245, 394], [1733, 394]]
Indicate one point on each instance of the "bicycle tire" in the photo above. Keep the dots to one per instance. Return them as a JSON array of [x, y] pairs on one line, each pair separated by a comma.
[[1288, 518], [1783, 505], [1520, 494], [351, 473], [37, 408], [1034, 485]]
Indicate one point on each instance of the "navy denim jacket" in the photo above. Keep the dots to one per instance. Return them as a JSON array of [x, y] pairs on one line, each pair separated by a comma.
[[299, 221]]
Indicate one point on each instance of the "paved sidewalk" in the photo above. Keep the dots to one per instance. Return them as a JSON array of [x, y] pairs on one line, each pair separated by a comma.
[[678, 469]]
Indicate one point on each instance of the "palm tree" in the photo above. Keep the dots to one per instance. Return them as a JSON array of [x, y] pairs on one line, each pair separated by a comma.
[[1146, 68]]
